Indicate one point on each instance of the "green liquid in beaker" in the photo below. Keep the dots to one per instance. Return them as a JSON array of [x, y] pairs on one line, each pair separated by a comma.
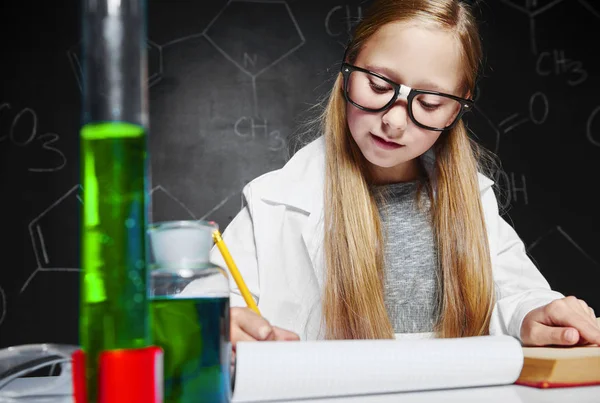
[[114, 310], [194, 335]]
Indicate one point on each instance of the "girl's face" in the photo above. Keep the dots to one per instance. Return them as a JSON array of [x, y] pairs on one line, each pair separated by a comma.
[[418, 57]]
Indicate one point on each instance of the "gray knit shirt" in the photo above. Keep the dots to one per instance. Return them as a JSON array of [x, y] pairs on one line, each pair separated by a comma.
[[411, 266]]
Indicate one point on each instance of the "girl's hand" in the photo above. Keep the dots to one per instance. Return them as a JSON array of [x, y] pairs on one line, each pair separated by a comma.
[[566, 321], [246, 325]]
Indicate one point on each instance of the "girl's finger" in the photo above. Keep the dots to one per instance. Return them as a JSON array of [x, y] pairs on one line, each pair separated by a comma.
[[582, 307], [587, 311], [251, 323], [286, 335], [542, 335], [567, 313], [238, 335], [596, 320]]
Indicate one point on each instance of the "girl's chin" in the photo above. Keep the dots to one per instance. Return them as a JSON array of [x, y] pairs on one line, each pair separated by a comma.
[[384, 158], [383, 163]]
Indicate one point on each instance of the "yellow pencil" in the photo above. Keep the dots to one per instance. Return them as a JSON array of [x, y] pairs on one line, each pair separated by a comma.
[[234, 271]]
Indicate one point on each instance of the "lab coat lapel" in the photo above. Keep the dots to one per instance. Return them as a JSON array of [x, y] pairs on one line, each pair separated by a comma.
[[312, 235], [300, 187]]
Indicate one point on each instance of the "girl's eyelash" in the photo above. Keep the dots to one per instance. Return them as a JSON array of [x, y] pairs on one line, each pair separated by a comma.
[[377, 87], [428, 106]]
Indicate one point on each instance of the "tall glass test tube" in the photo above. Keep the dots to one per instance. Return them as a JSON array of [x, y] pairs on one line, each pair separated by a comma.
[[114, 309]]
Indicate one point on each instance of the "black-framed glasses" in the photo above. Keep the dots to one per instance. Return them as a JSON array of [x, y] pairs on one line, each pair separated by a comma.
[[429, 110]]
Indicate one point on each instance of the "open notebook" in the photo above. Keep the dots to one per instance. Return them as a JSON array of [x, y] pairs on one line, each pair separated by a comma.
[[271, 371]]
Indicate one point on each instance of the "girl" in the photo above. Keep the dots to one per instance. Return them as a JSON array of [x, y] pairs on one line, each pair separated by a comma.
[[383, 226]]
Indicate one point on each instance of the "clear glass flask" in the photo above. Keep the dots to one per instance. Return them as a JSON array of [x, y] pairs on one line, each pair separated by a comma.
[[189, 304]]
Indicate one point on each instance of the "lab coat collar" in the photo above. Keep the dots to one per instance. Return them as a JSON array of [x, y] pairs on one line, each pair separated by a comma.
[[300, 183]]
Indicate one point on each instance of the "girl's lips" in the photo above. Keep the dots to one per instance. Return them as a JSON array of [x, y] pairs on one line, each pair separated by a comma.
[[386, 145]]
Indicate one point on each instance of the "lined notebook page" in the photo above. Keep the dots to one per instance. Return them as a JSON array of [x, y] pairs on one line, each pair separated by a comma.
[[310, 369]]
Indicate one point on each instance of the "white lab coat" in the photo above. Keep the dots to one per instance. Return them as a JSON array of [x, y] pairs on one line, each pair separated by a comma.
[[276, 241]]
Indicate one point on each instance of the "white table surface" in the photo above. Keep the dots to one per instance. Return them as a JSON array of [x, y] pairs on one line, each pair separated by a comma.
[[493, 394]]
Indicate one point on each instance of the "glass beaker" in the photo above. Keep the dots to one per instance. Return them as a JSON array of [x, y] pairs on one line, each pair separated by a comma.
[[113, 174], [189, 308]]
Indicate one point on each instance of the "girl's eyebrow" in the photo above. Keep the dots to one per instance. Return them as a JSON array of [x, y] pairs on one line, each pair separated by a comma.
[[431, 86], [384, 71], [393, 75]]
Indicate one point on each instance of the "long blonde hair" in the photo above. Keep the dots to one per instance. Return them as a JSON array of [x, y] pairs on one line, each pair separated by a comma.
[[353, 301]]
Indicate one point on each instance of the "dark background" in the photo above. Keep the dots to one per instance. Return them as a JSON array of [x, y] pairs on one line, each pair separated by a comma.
[[230, 82]]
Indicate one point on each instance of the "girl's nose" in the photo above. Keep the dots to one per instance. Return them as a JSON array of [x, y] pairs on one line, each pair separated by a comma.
[[396, 118]]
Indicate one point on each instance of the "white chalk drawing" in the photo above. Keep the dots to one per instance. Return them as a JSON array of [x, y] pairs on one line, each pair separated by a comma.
[[594, 140], [533, 101], [31, 133], [218, 206], [175, 200], [555, 63], [511, 189], [535, 114], [193, 216], [569, 239], [155, 56], [2, 305], [75, 63], [246, 127], [497, 133], [250, 59], [36, 233], [349, 20], [534, 8], [155, 63], [512, 122]]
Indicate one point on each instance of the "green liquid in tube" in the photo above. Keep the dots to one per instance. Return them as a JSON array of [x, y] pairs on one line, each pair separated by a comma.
[[113, 301]]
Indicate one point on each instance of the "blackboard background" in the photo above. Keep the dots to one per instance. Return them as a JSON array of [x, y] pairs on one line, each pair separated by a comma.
[[231, 81]]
